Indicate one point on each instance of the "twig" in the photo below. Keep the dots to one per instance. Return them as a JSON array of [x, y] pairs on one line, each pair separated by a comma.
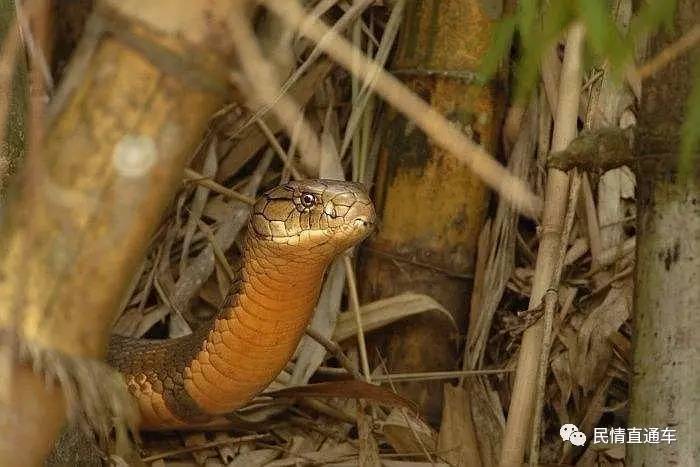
[[198, 203], [433, 123], [684, 43], [278, 149], [433, 375], [260, 76], [334, 349], [355, 306], [213, 186], [218, 252], [210, 444], [339, 26]]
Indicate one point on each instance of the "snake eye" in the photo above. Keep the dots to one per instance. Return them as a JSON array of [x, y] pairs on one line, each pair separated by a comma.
[[308, 200]]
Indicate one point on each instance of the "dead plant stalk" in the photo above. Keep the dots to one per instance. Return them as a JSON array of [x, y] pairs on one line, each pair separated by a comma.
[[433, 123], [551, 299], [260, 75], [556, 195]]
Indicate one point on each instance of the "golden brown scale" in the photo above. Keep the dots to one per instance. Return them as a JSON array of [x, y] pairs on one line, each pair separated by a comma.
[[295, 231]]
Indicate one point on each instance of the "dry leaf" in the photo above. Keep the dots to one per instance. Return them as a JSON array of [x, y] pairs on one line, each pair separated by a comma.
[[353, 389], [383, 312], [255, 458], [457, 442], [594, 347], [408, 434]]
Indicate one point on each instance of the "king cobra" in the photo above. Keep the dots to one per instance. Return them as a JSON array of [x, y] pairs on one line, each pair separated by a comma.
[[294, 232]]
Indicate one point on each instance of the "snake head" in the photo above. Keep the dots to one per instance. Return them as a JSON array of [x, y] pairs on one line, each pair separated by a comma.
[[321, 216]]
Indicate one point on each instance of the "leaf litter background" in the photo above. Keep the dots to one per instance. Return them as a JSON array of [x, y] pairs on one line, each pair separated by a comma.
[[194, 258]]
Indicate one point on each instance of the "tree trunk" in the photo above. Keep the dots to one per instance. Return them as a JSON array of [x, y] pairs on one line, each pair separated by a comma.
[[131, 109], [666, 377], [432, 206]]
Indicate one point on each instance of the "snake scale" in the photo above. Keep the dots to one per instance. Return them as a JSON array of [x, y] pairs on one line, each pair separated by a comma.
[[294, 232]]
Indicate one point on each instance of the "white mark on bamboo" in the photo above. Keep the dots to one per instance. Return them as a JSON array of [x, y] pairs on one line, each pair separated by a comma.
[[134, 155]]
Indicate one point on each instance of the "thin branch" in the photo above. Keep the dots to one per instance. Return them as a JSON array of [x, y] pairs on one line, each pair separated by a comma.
[[433, 123], [355, 306], [334, 349], [684, 43], [218, 252], [210, 444], [260, 75], [437, 375], [200, 179], [339, 26], [278, 149]]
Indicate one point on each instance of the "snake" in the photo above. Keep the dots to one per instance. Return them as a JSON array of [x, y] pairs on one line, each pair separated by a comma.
[[294, 232]]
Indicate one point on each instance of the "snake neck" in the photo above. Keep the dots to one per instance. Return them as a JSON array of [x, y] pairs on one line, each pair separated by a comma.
[[277, 281], [254, 337]]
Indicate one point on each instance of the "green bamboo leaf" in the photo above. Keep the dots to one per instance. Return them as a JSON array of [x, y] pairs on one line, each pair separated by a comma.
[[603, 35], [690, 131], [499, 48], [651, 16]]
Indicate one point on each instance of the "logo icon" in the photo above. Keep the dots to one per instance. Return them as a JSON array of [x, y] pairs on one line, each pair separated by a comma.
[[569, 432]]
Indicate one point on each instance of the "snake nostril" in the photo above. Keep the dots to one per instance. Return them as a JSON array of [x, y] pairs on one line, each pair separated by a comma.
[[363, 221]]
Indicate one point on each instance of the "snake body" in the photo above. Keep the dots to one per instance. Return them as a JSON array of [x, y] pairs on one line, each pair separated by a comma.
[[295, 231]]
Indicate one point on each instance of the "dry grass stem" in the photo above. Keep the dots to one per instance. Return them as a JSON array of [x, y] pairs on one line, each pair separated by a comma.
[[436, 375], [591, 215], [261, 78], [335, 350], [210, 444], [288, 164], [434, 124], [355, 307], [218, 252], [500, 248], [339, 26], [217, 188]]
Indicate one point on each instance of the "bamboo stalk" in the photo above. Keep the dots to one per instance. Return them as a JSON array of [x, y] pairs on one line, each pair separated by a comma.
[[131, 109], [521, 405], [551, 299]]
